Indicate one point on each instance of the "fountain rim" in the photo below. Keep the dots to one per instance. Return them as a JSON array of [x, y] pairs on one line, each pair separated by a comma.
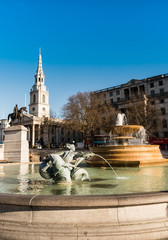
[[84, 201], [133, 127], [81, 201], [126, 146]]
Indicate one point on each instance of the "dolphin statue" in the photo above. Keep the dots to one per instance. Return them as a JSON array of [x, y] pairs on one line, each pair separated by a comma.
[[54, 167]]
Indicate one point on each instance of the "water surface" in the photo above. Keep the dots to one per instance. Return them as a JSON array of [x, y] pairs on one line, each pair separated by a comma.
[[25, 179]]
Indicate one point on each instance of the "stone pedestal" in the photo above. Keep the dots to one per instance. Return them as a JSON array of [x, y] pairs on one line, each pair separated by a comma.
[[16, 147]]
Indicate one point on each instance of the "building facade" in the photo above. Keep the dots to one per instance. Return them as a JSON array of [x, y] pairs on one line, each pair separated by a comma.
[[3, 125], [43, 129], [155, 88]]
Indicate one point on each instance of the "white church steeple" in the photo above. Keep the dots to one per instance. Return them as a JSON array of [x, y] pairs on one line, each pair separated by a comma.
[[39, 76], [39, 95]]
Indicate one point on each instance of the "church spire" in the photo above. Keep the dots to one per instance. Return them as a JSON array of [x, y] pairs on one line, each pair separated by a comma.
[[39, 94], [39, 67], [39, 76]]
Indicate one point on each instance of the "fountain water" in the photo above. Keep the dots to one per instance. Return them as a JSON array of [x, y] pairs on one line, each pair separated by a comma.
[[108, 164], [116, 175], [128, 147]]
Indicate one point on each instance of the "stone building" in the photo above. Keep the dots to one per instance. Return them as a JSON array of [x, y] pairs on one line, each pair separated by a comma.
[[3, 125], [155, 88]]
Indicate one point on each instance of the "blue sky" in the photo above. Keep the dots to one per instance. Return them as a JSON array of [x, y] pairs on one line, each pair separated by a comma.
[[86, 45]]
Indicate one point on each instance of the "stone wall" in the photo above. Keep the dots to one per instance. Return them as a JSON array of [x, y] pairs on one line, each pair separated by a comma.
[[103, 217]]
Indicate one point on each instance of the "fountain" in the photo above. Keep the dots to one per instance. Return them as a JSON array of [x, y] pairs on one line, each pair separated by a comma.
[[128, 148], [107, 207], [84, 210]]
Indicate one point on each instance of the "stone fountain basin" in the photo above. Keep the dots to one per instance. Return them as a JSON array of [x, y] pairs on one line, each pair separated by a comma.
[[125, 130], [124, 216], [127, 156]]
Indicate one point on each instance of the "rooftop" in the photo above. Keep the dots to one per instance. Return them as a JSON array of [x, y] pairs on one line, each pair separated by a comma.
[[133, 80]]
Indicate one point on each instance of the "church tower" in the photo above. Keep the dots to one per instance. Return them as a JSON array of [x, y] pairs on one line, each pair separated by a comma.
[[39, 95]]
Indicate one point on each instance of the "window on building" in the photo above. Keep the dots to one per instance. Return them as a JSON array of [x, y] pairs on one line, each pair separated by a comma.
[[160, 83], [42, 129], [43, 98], [127, 93], [118, 92], [162, 90], [163, 111], [164, 123], [39, 79], [155, 123], [111, 101], [142, 89], [34, 98], [152, 84], [62, 131], [111, 94], [53, 141], [104, 95], [134, 91], [153, 92], [161, 101], [118, 99], [165, 134], [156, 134]]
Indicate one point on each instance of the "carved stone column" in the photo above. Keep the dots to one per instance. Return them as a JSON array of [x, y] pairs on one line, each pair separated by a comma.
[[33, 135]]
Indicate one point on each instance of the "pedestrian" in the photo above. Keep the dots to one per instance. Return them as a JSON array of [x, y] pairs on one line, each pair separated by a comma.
[[41, 157]]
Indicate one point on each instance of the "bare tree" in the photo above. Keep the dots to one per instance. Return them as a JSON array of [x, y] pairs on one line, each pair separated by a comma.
[[53, 114], [142, 112], [85, 114]]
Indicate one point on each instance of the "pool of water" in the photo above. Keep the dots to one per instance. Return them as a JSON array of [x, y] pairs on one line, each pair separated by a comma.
[[25, 179]]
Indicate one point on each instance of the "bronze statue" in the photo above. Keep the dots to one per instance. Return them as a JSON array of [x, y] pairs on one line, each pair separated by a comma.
[[17, 114], [15, 111]]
